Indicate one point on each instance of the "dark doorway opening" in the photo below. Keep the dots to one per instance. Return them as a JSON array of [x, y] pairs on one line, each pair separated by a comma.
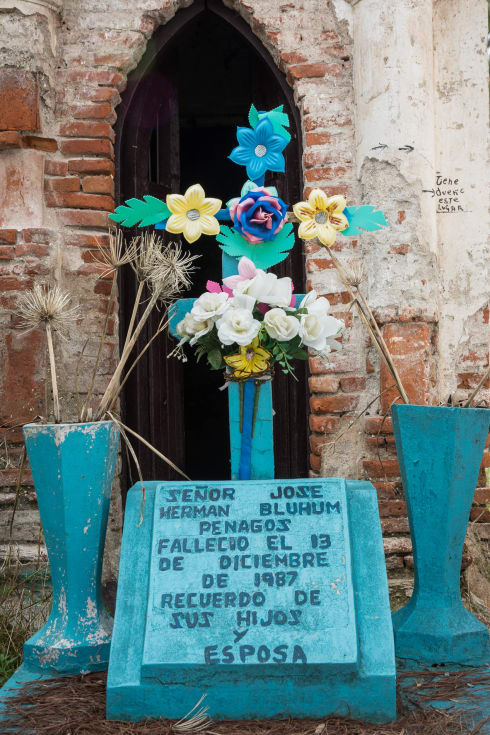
[[176, 127]]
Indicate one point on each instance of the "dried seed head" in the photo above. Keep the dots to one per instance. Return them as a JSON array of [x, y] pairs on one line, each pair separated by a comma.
[[165, 269], [171, 272], [145, 247], [45, 305], [355, 273], [116, 254]]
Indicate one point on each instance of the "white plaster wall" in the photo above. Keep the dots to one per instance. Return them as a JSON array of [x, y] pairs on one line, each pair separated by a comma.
[[461, 133]]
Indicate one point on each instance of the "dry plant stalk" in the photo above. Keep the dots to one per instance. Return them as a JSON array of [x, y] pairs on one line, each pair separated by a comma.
[[111, 258], [165, 271], [48, 307], [470, 400]]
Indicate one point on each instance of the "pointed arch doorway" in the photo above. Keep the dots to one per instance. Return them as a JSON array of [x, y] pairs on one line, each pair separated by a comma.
[[176, 126]]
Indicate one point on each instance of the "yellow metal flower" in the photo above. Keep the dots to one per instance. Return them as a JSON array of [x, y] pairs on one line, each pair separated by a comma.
[[321, 217], [249, 361], [192, 214]]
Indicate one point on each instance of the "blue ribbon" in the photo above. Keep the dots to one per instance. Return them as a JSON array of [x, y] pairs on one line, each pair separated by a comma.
[[245, 469]]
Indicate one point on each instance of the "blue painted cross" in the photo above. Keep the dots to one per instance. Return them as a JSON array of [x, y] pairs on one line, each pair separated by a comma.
[[250, 460]]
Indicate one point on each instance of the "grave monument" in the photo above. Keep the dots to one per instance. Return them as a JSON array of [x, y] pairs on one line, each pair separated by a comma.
[[267, 596]]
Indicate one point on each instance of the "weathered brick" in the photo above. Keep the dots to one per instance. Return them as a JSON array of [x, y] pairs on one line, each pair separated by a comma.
[[88, 130], [55, 168], [37, 234], [323, 384], [98, 185], [324, 424], [79, 200], [482, 495], [18, 100], [385, 468], [64, 184], [390, 508], [313, 265], [93, 112], [87, 146], [98, 76], [8, 237], [8, 478], [352, 384], [378, 424], [10, 139], [38, 143], [91, 166], [85, 240], [11, 283], [39, 251], [394, 562], [103, 94], [401, 545], [409, 345], [293, 57], [328, 173], [395, 525], [307, 71], [315, 462], [83, 218], [317, 442], [318, 138], [333, 404], [7, 252], [387, 490]]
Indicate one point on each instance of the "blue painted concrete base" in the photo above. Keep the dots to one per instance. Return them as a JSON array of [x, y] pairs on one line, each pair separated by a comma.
[[440, 450], [362, 689], [453, 636]]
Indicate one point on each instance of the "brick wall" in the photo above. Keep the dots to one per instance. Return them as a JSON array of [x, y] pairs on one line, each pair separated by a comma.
[[57, 111]]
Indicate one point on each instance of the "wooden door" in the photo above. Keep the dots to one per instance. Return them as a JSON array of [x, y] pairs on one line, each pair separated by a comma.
[[171, 134]]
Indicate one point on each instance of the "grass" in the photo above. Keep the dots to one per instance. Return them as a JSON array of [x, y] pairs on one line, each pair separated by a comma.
[[25, 601]]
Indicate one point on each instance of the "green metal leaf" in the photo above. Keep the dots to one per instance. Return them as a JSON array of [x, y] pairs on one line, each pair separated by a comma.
[[364, 217], [146, 211], [264, 254], [279, 120], [253, 116]]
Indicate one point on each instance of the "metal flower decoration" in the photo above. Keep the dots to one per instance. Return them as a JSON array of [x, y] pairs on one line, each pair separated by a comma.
[[259, 149]]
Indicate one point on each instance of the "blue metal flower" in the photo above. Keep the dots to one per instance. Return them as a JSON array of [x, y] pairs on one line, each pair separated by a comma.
[[260, 150]]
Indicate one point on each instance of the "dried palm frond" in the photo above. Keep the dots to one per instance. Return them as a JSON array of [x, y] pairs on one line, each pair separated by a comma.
[[47, 305], [196, 722], [116, 255]]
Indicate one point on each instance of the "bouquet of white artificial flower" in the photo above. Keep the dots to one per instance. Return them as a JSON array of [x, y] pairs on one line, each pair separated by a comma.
[[252, 321]]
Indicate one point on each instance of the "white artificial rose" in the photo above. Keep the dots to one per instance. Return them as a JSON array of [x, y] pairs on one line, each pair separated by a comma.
[[242, 301], [314, 303], [281, 293], [312, 332], [193, 328], [280, 326], [260, 286], [237, 325], [210, 306]]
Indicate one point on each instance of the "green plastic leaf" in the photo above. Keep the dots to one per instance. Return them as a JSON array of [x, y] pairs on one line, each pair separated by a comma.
[[253, 116], [215, 359], [141, 212], [264, 254], [364, 217]]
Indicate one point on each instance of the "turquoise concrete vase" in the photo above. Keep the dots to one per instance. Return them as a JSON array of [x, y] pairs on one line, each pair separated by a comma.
[[440, 450], [73, 469]]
